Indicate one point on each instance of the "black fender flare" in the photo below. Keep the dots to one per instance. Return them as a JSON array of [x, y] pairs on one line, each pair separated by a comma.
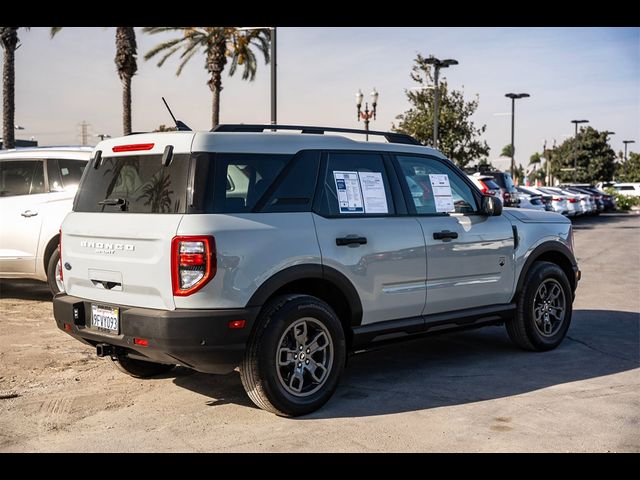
[[536, 253], [309, 272]]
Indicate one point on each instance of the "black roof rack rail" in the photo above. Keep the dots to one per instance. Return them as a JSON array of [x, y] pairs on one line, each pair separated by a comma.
[[391, 137]]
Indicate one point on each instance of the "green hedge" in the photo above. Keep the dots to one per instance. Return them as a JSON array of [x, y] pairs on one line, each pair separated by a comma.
[[623, 202]]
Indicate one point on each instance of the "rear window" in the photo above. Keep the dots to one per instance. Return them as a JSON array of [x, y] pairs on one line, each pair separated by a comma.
[[135, 184], [234, 182], [491, 185]]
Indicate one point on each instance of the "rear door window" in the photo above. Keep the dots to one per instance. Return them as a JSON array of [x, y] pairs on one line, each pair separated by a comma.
[[64, 173], [21, 177], [134, 184], [355, 183]]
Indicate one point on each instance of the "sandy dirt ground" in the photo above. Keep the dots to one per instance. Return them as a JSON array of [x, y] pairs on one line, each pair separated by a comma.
[[469, 391]]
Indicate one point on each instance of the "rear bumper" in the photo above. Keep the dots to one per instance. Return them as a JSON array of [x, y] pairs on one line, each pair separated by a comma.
[[199, 339]]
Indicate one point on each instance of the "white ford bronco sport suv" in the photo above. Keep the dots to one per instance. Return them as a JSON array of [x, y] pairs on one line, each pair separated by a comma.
[[282, 252], [37, 186]]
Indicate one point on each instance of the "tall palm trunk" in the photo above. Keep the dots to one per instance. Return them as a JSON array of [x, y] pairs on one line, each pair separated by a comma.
[[9, 37], [126, 105], [126, 50], [216, 61]]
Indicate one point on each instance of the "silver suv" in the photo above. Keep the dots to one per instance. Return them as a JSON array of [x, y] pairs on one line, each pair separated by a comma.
[[282, 252]]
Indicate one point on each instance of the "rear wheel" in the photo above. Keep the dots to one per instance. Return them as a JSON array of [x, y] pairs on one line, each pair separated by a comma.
[[295, 356], [54, 273], [544, 308], [140, 368]]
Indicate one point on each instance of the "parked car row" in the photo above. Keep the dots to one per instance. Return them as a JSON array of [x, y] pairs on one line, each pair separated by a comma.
[[630, 188], [569, 199], [37, 187]]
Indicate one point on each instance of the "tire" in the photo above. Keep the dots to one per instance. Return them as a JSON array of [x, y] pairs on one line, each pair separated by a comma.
[[140, 368], [274, 370], [543, 335], [52, 270]]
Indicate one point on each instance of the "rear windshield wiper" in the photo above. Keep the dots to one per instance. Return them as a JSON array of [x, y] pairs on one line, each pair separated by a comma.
[[114, 202]]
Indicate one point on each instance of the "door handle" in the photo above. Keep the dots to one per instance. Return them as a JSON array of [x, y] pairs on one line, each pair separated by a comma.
[[351, 240], [29, 213], [444, 235]]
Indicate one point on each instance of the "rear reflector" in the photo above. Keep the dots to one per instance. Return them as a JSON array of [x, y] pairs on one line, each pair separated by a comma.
[[143, 342], [135, 147], [67, 327], [236, 324]]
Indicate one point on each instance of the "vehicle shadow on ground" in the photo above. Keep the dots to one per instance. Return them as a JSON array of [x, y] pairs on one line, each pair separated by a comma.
[[25, 290], [587, 222], [461, 368]]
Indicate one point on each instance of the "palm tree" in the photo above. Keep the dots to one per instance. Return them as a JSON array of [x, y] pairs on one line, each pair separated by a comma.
[[217, 43], [127, 66], [9, 39]]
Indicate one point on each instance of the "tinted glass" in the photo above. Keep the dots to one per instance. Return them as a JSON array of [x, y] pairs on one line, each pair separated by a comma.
[[355, 184], [491, 185], [295, 192], [141, 182], [21, 177], [71, 171], [416, 171], [233, 182]]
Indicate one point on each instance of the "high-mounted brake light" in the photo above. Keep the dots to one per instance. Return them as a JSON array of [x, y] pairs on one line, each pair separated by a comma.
[[193, 263], [134, 147]]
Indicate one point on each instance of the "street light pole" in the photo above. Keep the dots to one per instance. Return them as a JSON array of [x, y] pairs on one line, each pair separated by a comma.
[[626, 142], [367, 115], [437, 65], [274, 89], [576, 122], [514, 97], [274, 68], [575, 158]]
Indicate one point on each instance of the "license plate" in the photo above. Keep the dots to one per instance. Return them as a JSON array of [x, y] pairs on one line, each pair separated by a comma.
[[105, 318]]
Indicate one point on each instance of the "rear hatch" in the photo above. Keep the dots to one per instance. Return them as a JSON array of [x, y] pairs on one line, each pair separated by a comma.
[[116, 244]]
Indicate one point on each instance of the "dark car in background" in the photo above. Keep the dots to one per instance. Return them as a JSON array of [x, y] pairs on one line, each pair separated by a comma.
[[596, 197], [508, 189]]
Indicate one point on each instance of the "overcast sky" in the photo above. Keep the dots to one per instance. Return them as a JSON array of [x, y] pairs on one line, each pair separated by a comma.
[[590, 73]]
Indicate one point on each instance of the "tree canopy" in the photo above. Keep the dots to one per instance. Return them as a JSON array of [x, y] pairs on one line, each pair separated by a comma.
[[590, 152], [631, 171], [458, 137]]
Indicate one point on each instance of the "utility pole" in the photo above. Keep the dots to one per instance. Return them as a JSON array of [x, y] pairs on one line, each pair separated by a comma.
[[626, 142]]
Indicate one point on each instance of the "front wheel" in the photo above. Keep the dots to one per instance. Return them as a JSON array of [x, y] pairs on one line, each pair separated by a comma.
[[544, 308], [294, 357]]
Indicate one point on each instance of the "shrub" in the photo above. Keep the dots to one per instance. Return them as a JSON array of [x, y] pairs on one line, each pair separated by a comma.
[[623, 202]]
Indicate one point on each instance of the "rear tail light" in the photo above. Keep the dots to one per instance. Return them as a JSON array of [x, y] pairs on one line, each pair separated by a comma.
[[557, 199], [572, 200], [483, 187], [193, 263]]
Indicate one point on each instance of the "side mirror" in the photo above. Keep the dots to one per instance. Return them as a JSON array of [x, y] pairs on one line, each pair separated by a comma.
[[491, 206]]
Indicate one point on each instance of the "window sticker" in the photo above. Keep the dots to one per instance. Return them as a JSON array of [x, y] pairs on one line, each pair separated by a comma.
[[65, 171], [349, 193], [375, 198], [442, 192]]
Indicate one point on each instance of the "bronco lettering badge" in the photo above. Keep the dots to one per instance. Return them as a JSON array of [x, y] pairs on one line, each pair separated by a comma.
[[106, 247]]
